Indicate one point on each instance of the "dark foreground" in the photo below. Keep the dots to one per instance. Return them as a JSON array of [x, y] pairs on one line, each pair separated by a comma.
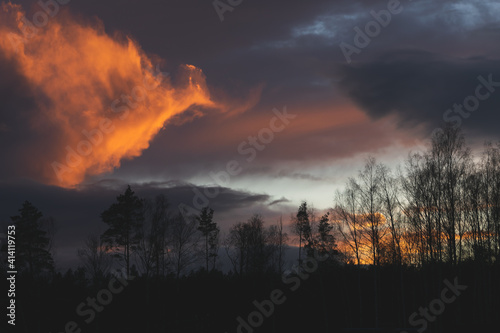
[[326, 298]]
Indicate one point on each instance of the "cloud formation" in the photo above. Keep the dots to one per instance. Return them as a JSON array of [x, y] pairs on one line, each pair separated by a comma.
[[93, 100], [419, 87]]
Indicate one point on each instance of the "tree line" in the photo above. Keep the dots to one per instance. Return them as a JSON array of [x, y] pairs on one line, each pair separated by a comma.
[[441, 206], [392, 236]]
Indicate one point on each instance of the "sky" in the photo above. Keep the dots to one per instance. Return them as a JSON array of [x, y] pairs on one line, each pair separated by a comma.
[[250, 108]]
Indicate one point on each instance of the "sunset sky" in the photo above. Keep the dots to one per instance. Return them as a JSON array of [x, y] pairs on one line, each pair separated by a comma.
[[171, 95]]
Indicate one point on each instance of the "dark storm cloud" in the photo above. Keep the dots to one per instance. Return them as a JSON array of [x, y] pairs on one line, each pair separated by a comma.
[[77, 212], [63, 203], [420, 86]]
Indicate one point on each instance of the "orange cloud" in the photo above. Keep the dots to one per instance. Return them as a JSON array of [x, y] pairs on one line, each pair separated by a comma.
[[103, 96]]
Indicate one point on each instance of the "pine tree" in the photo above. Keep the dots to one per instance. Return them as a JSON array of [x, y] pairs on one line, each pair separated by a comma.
[[325, 241], [302, 228], [124, 219], [32, 242], [210, 232]]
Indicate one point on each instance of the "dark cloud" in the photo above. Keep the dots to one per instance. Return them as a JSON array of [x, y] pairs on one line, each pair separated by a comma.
[[420, 86], [282, 200], [77, 212]]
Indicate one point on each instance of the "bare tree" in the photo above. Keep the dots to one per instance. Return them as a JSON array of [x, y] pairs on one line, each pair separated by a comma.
[[450, 144], [150, 249], [277, 240], [490, 170], [350, 226], [370, 205], [183, 243], [421, 197], [96, 261], [346, 213], [235, 247], [389, 192], [247, 246]]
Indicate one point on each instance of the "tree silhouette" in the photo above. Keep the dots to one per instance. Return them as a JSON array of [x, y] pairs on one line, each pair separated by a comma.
[[96, 261], [152, 233], [395, 240], [370, 203], [210, 232], [325, 242], [32, 242], [183, 241], [247, 246], [277, 239], [124, 219], [302, 228], [349, 224]]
